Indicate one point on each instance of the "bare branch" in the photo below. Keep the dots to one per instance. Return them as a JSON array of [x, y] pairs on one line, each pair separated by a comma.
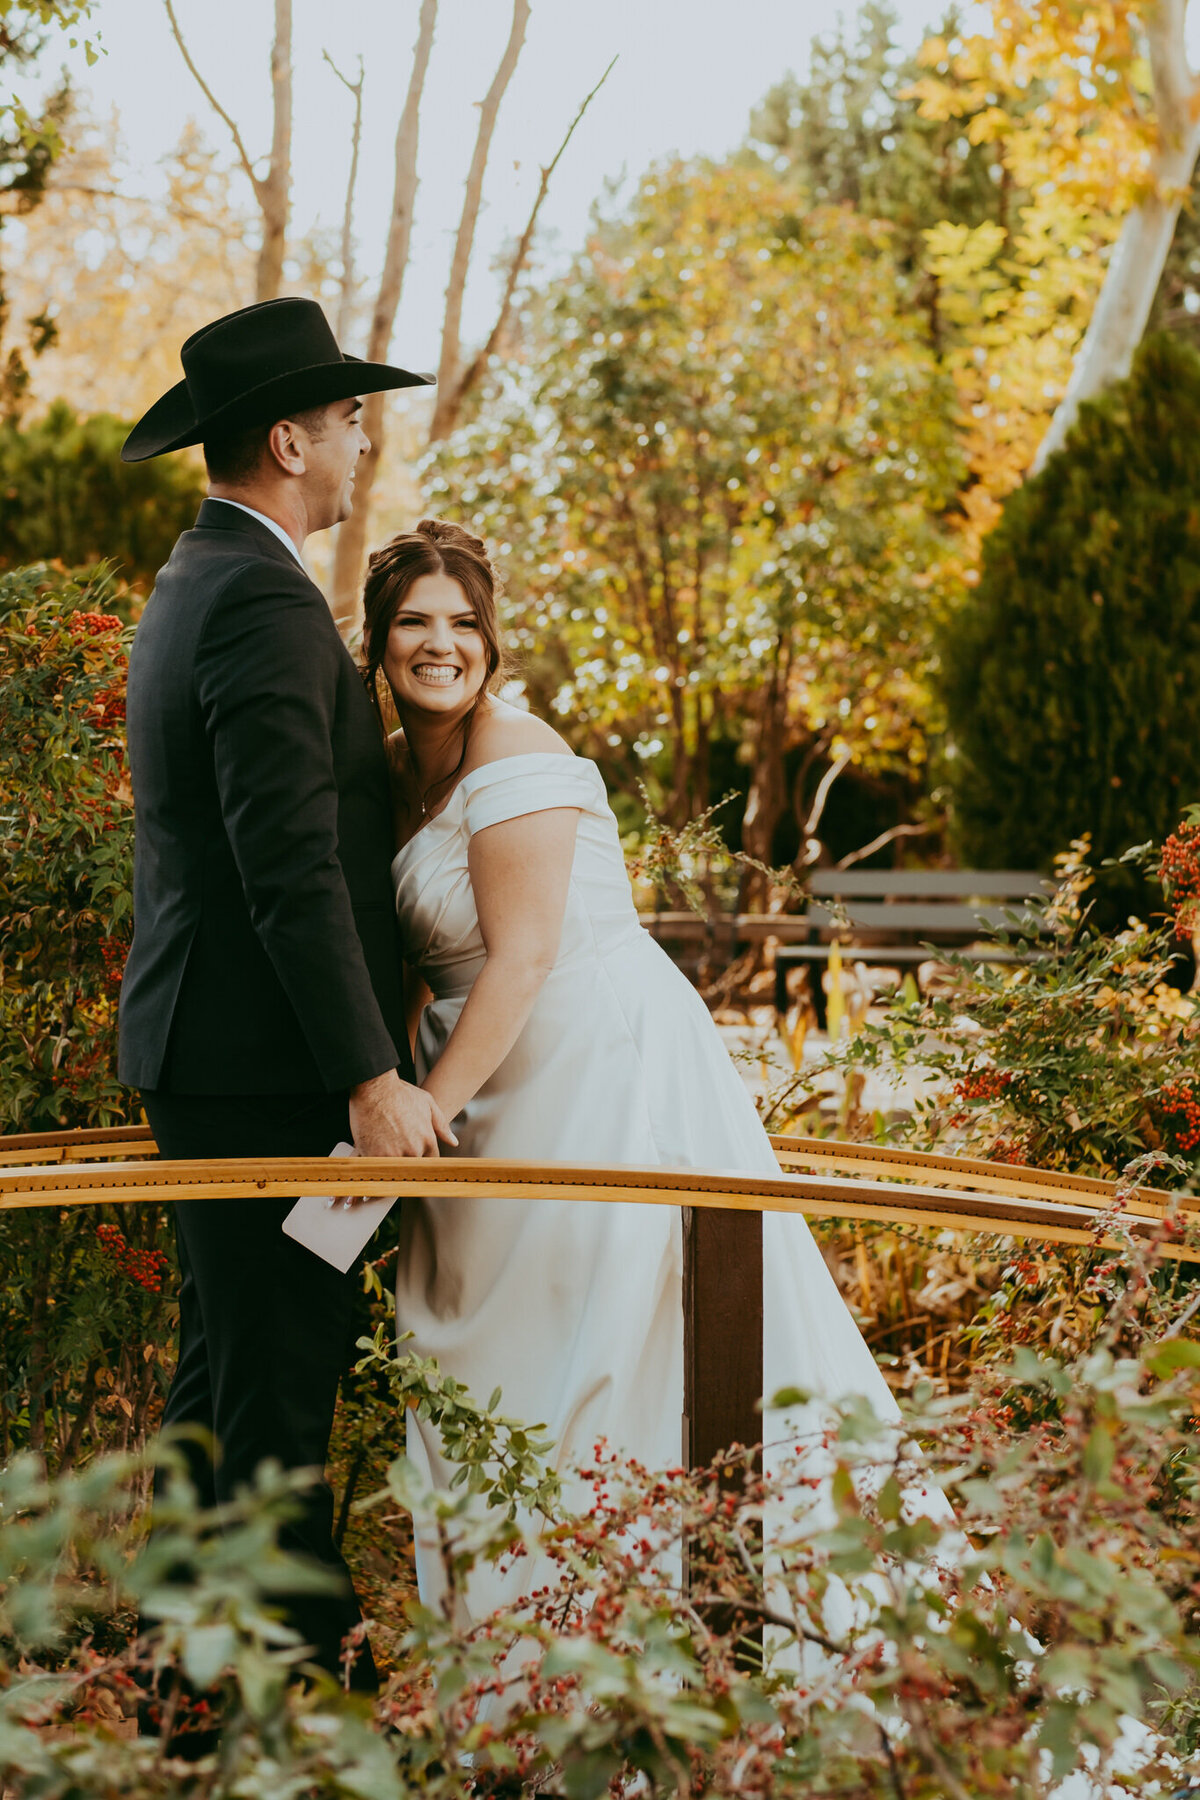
[[348, 281], [448, 361], [99, 193], [885, 838], [235, 134], [516, 266], [823, 791]]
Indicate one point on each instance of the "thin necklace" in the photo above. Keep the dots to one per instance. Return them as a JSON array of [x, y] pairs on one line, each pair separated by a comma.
[[423, 792]]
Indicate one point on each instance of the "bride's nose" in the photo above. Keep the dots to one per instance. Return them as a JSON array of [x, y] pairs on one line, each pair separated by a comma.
[[439, 639]]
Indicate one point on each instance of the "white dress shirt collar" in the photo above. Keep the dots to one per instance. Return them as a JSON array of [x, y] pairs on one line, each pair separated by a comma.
[[270, 524]]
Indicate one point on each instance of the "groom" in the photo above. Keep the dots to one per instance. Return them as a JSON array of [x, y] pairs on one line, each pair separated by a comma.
[[262, 1012]]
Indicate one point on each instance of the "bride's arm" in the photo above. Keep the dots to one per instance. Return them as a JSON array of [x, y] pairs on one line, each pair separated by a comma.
[[520, 873]]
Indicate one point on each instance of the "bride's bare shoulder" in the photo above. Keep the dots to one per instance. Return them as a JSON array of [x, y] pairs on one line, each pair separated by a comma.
[[507, 731]]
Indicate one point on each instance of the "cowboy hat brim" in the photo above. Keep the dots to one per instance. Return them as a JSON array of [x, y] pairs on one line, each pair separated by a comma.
[[171, 423]]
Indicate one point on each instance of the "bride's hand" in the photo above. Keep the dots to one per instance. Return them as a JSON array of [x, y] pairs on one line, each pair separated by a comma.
[[390, 1117]]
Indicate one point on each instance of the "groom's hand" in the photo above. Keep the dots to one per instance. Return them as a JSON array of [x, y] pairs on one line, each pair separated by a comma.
[[390, 1117]]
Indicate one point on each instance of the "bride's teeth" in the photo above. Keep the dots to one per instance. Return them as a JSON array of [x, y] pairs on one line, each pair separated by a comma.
[[435, 676]]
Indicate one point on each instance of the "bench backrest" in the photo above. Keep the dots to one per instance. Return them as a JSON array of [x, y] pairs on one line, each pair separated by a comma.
[[927, 884], [936, 921]]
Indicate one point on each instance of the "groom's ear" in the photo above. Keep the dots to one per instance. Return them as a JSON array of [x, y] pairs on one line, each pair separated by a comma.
[[287, 447]]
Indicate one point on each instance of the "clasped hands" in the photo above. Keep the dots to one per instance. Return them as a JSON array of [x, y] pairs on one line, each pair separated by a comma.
[[390, 1117]]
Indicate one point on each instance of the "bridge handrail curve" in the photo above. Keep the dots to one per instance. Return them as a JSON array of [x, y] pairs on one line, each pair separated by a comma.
[[842, 1180]]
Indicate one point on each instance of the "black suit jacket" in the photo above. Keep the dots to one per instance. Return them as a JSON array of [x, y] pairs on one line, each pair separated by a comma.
[[265, 955]]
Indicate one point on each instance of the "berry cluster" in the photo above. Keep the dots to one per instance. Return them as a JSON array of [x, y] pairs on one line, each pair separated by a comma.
[[107, 710], [100, 812], [1179, 872], [1181, 1105], [145, 1267], [113, 952], [80, 1070], [1005, 1150], [92, 625], [983, 1084]]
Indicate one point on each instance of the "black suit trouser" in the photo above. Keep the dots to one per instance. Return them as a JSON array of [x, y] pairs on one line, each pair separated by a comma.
[[266, 1330]]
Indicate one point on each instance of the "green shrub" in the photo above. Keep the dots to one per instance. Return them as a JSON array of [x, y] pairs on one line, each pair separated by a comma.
[[66, 838], [996, 1665], [1071, 678], [83, 1329], [66, 496]]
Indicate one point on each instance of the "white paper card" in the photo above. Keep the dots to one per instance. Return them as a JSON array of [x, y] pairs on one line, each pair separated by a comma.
[[331, 1229]]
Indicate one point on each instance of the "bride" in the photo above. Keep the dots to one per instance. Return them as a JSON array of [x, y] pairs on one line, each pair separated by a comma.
[[548, 1025]]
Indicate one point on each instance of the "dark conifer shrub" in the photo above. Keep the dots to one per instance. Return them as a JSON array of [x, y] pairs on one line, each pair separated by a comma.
[[1071, 677], [66, 497]]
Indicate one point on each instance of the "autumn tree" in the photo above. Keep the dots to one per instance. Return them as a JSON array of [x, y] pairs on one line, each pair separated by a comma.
[[715, 483], [127, 275], [1066, 96], [1148, 228], [29, 144], [1006, 159], [851, 133]]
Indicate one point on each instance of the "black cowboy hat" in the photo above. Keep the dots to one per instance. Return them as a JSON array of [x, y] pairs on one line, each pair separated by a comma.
[[254, 367]]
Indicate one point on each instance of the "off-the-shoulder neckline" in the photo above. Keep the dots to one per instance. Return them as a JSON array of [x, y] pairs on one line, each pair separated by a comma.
[[470, 780]]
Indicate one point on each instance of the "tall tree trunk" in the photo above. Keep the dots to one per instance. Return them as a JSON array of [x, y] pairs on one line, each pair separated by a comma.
[[274, 190], [350, 549], [450, 359], [348, 281], [1127, 294], [767, 800]]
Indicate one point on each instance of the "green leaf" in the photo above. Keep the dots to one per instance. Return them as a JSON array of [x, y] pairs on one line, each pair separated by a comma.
[[1172, 1354], [208, 1650], [587, 1776], [1099, 1453], [1056, 1736]]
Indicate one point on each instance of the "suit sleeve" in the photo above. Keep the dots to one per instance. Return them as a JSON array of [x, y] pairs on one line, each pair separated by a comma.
[[267, 673]]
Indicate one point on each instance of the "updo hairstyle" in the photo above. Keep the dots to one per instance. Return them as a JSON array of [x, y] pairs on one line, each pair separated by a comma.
[[436, 547]]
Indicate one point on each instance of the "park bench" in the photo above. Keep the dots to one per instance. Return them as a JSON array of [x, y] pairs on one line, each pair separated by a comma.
[[891, 917]]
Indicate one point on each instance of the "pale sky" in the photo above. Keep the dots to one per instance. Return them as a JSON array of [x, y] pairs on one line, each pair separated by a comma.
[[688, 74]]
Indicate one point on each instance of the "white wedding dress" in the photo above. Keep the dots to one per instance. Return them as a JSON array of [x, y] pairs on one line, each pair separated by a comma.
[[574, 1309]]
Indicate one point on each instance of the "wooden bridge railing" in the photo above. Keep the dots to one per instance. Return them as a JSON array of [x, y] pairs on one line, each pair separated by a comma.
[[818, 1177]]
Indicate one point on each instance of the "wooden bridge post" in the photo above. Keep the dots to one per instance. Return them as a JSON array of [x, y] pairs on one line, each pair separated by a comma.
[[722, 1331], [722, 1372]]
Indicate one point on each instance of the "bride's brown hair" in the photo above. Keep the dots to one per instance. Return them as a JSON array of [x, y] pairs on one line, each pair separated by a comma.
[[436, 547]]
